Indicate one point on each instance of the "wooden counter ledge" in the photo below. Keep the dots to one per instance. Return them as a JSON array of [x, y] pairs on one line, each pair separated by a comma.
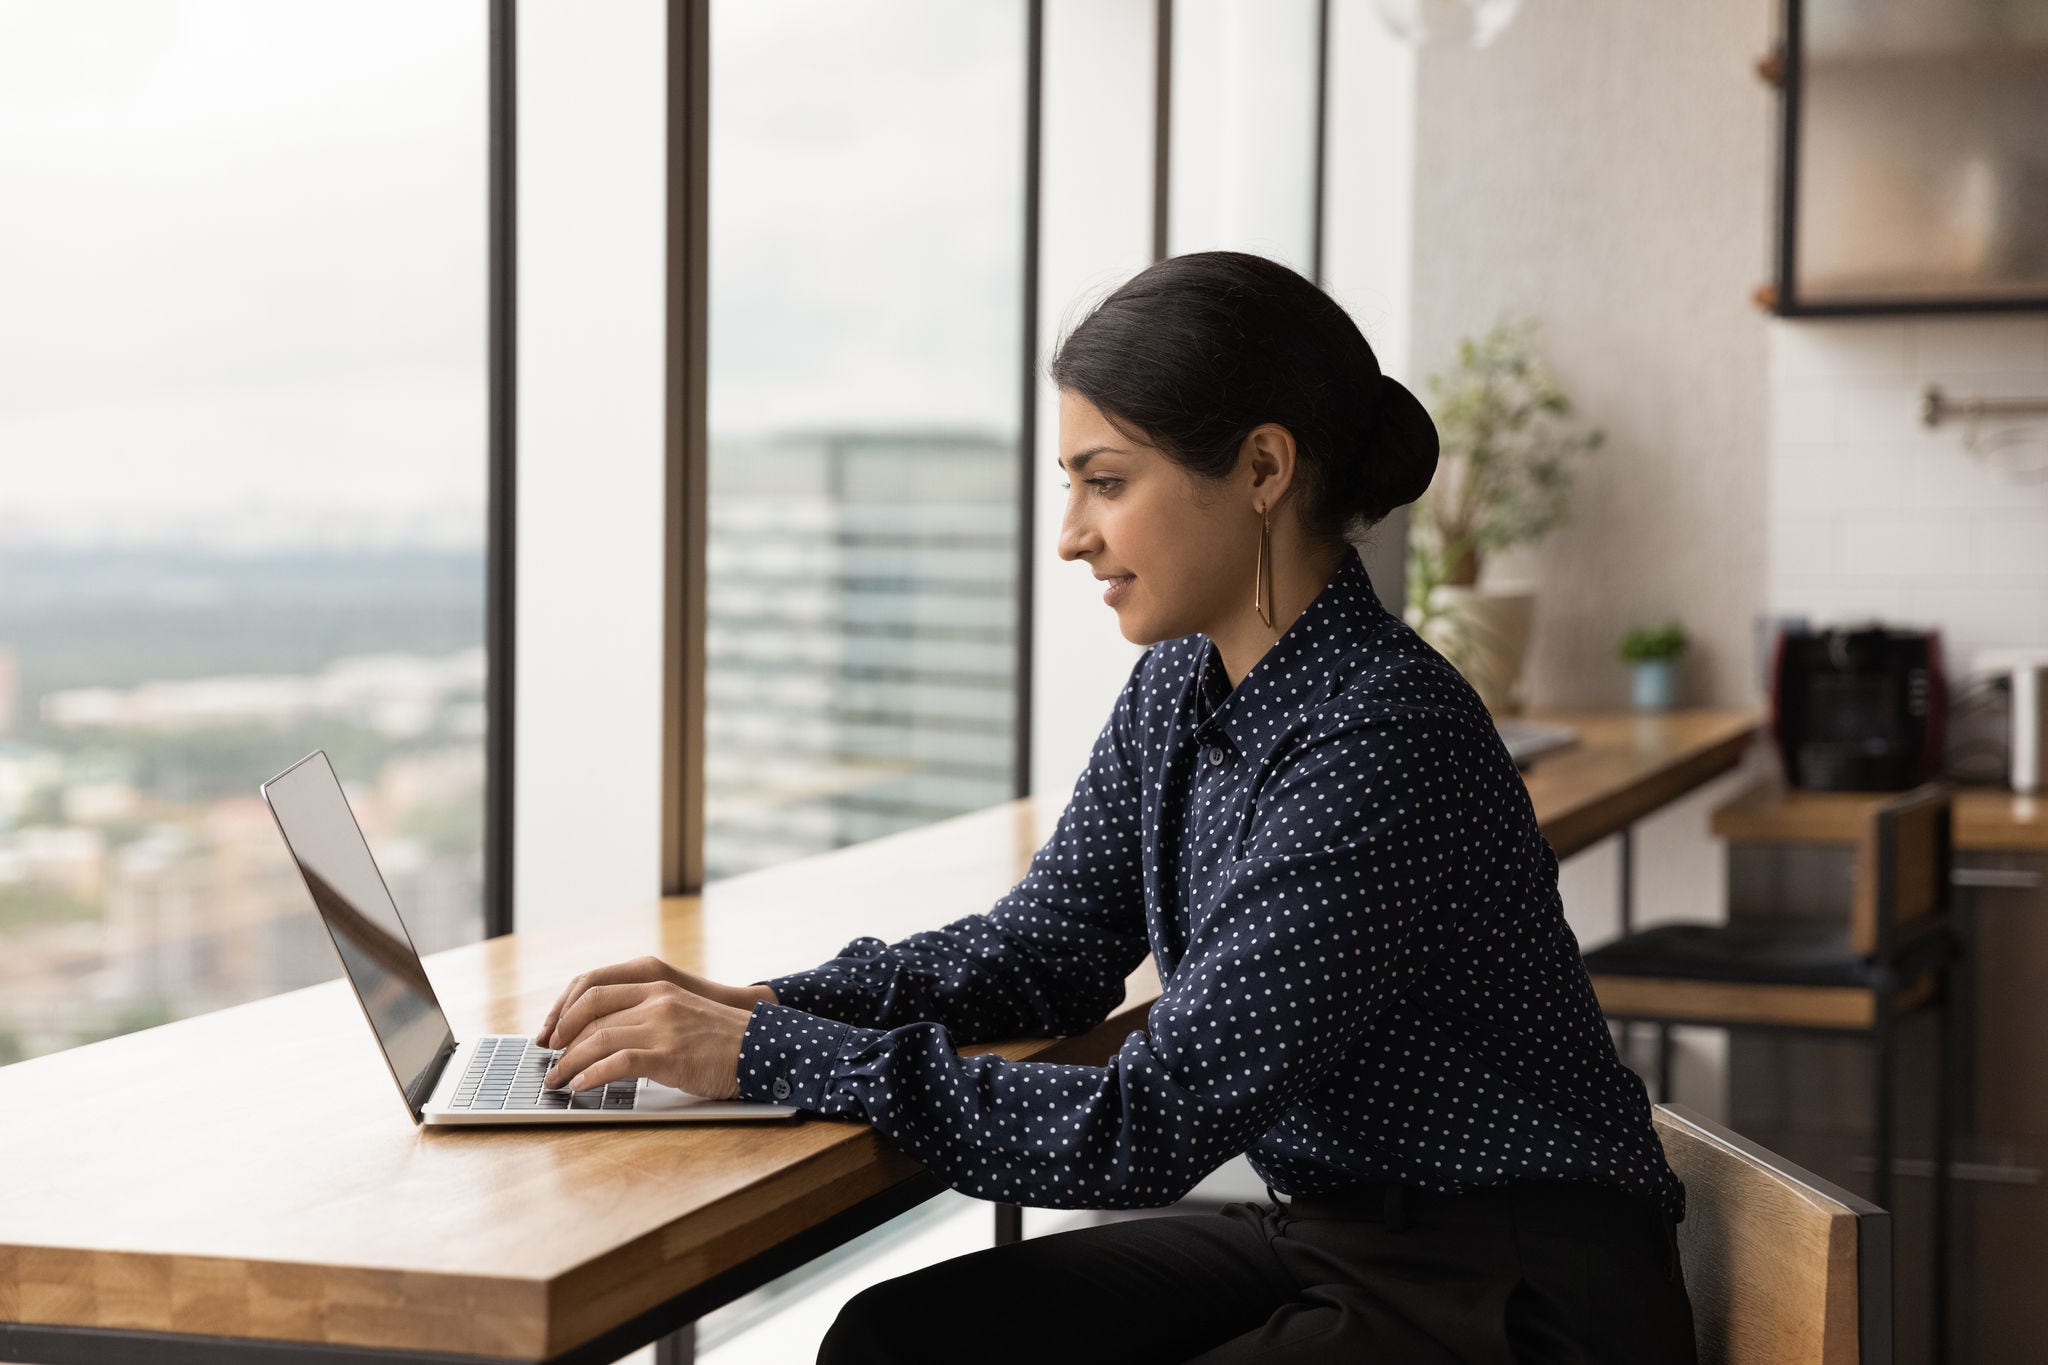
[[1988, 819], [252, 1172]]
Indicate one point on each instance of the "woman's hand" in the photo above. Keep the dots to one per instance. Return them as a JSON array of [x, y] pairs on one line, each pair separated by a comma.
[[644, 971], [655, 1029]]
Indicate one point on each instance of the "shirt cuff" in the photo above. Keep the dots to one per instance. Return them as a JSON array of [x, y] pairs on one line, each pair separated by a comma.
[[789, 1056], [848, 987]]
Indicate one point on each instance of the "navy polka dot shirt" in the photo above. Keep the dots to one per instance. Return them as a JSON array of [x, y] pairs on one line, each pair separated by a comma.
[[1365, 967]]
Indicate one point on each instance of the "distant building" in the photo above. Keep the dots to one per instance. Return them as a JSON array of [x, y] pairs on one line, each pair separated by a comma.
[[397, 695], [58, 856], [861, 641]]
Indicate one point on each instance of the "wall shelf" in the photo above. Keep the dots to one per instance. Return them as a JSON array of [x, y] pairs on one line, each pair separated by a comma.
[[1909, 178]]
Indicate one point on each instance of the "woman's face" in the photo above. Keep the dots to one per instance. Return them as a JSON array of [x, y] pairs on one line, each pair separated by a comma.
[[1186, 545]]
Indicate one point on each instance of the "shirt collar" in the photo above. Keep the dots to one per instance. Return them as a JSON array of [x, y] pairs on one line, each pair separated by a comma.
[[1302, 669]]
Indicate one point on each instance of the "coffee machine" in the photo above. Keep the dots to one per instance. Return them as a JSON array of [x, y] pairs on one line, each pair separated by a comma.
[[1858, 708]]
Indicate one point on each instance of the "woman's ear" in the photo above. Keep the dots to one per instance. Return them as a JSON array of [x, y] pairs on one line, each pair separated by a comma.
[[1270, 457]]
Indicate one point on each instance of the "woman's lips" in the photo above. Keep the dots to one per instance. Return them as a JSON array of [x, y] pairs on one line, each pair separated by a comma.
[[1114, 593]]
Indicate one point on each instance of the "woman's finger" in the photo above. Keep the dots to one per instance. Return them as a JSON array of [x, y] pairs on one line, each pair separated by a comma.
[[639, 969], [555, 1011], [578, 1049], [617, 1032], [616, 1066], [598, 1001]]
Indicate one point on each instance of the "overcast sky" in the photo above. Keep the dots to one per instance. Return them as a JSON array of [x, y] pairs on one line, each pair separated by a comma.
[[242, 279]]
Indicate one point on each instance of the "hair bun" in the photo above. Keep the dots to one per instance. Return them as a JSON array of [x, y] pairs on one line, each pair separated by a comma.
[[1401, 452]]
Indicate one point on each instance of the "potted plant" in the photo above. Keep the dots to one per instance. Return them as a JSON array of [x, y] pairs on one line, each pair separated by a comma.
[[1654, 652], [1503, 479]]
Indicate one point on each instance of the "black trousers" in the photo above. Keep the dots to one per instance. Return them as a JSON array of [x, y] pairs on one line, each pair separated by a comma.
[[1529, 1271]]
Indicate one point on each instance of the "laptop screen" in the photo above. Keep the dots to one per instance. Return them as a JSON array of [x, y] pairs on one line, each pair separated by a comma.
[[349, 892]]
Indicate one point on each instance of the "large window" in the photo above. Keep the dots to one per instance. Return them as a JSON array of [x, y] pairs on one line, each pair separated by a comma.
[[243, 480], [866, 263]]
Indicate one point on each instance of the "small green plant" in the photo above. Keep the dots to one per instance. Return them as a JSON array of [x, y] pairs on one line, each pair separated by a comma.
[[1646, 643]]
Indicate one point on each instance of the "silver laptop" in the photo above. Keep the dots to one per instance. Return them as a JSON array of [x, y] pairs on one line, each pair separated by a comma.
[[490, 1080], [1529, 740]]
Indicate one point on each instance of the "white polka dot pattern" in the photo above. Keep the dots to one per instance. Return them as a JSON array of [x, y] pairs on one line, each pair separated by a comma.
[[1366, 971]]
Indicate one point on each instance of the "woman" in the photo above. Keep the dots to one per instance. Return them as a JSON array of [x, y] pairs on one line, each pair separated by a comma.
[[1306, 816]]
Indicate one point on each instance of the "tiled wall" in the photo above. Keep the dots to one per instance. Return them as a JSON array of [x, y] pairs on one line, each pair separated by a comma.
[[1873, 514]]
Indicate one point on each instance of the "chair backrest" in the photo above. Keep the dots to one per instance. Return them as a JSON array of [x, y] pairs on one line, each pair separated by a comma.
[[1783, 1268], [1903, 859]]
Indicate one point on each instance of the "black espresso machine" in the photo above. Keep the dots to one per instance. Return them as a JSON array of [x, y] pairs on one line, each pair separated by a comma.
[[1858, 708]]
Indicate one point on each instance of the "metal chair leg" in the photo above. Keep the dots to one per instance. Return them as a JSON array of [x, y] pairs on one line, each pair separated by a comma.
[[1625, 911], [1667, 1085], [1625, 890], [1881, 1039], [1944, 1129]]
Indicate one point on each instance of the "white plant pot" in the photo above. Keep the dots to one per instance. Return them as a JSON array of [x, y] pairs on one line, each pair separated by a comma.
[[1484, 632]]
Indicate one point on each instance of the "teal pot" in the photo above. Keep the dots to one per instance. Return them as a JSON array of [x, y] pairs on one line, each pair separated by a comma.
[[1656, 684]]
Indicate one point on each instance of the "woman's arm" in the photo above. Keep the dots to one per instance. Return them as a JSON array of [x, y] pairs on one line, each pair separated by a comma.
[[1050, 957], [1355, 866]]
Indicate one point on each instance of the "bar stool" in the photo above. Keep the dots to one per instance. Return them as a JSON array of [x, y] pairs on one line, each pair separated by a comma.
[[1897, 954]]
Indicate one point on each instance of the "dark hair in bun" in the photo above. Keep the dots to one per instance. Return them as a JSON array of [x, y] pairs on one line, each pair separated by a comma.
[[1193, 352]]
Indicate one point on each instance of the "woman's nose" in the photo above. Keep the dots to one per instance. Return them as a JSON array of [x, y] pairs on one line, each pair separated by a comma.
[[1076, 536]]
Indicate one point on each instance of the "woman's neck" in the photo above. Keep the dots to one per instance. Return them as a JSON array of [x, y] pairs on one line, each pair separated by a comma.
[[1243, 638]]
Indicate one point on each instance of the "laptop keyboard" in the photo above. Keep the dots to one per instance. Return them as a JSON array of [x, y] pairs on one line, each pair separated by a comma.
[[507, 1072]]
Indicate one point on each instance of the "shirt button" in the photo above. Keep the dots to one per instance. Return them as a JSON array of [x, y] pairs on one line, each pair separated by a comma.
[[781, 1088], [1215, 755]]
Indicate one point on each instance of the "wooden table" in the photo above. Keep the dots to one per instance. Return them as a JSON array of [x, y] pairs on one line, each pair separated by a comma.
[[152, 1206], [1628, 765]]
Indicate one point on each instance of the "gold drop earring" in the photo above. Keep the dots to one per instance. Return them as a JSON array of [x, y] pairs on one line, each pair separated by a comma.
[[1262, 587]]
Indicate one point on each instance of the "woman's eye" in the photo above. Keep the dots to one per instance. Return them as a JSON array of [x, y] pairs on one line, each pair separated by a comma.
[[1104, 486]]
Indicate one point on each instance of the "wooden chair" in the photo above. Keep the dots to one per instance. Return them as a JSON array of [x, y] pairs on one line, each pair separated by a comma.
[[1895, 954], [1888, 960], [1783, 1268]]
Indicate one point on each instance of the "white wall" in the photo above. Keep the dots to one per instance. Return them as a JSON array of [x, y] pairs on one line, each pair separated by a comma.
[[1609, 168], [1369, 221], [587, 795]]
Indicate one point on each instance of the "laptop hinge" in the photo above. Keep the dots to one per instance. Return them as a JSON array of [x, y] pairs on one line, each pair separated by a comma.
[[429, 1078]]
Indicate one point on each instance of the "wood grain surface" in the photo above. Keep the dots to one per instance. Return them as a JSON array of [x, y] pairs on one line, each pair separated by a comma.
[[1770, 1261], [1627, 765], [1987, 819], [254, 1172], [1742, 1002]]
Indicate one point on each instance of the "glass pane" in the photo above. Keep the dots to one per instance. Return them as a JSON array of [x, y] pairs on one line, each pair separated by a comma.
[[865, 366], [1923, 169], [242, 488], [1242, 162]]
